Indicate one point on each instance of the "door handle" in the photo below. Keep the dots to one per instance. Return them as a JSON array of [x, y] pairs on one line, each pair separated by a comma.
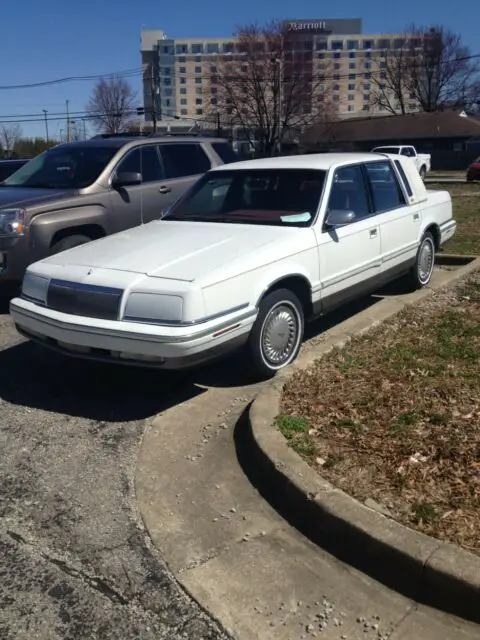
[[416, 216], [373, 233], [164, 189]]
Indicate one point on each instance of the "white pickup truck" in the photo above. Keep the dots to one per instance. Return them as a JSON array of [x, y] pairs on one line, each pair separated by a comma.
[[422, 160]]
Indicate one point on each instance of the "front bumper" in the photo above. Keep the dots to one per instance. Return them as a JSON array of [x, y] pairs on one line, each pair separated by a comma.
[[128, 342], [447, 231], [14, 258]]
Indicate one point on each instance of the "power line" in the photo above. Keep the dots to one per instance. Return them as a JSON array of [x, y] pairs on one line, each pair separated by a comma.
[[129, 73]]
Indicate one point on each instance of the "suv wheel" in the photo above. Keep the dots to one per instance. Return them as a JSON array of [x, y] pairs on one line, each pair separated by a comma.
[[68, 243], [276, 336]]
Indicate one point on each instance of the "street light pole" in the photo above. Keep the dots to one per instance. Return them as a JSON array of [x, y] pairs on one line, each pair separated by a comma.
[[46, 124], [68, 121]]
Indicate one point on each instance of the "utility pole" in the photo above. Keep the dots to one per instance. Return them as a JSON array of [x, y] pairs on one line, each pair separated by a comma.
[[68, 121], [46, 124], [154, 106], [219, 127]]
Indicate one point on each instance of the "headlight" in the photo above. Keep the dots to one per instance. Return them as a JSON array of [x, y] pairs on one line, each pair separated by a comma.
[[12, 222], [35, 288], [154, 308]]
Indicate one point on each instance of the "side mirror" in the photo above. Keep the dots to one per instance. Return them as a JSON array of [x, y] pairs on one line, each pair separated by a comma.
[[340, 217], [126, 179]]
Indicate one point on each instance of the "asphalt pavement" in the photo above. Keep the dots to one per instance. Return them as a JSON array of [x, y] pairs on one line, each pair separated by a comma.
[[75, 560]]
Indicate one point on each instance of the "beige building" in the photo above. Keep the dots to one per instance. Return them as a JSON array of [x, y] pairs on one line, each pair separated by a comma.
[[179, 74]]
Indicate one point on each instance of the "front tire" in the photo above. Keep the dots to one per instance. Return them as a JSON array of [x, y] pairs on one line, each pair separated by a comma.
[[421, 273], [68, 243], [423, 172], [277, 334]]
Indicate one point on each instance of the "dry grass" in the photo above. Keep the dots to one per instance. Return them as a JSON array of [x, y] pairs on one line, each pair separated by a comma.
[[466, 211], [395, 416]]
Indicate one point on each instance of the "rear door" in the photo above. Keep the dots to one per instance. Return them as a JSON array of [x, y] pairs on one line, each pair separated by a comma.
[[183, 164], [399, 222]]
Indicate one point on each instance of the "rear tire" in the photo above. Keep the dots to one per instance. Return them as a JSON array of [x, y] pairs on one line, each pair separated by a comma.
[[68, 243], [421, 272], [276, 336]]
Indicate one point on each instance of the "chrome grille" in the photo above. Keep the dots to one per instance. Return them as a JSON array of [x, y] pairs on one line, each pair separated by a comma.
[[84, 300]]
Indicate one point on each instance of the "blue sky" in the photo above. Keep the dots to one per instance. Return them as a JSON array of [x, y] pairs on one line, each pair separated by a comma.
[[52, 39]]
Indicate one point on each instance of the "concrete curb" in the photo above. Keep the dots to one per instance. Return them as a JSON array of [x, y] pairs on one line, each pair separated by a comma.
[[429, 571]]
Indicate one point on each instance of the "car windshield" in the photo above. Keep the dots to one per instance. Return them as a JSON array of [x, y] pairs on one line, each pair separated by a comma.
[[282, 197], [63, 167]]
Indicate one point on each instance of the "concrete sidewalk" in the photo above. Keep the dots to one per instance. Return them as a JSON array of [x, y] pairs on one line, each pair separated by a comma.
[[237, 556]]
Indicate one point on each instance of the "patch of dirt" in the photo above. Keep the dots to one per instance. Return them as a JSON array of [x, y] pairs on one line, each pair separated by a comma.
[[394, 417]]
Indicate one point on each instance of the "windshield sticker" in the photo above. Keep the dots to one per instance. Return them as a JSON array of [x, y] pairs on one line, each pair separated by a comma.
[[297, 217]]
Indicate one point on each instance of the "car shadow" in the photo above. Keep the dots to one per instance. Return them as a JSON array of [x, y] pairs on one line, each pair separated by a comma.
[[34, 377]]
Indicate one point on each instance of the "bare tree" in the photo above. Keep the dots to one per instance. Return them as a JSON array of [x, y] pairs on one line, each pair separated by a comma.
[[267, 87], [428, 66], [391, 79], [112, 105], [443, 71], [10, 135]]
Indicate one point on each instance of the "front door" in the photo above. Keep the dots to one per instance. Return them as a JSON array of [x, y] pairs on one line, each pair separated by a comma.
[[349, 255], [137, 204]]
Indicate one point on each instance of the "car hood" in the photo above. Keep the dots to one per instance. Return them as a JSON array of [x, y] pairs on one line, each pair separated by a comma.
[[173, 250], [25, 197]]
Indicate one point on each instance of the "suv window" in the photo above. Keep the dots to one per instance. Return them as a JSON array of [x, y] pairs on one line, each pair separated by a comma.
[[143, 160], [349, 192], [225, 152], [408, 151], [184, 159], [386, 190]]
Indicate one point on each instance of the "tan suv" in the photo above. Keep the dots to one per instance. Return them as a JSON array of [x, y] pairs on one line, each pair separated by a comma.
[[81, 191]]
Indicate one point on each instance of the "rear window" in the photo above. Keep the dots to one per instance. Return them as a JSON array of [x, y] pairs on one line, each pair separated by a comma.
[[225, 152], [393, 150], [404, 178]]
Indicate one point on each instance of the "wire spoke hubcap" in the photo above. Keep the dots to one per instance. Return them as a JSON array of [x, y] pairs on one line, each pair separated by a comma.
[[280, 334], [425, 261]]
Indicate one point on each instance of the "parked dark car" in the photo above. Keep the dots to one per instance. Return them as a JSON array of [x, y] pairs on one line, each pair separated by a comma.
[[7, 167], [473, 171]]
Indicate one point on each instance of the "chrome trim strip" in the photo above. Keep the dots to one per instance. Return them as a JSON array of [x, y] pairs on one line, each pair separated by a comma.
[[399, 252], [354, 272], [190, 323], [449, 224], [80, 286]]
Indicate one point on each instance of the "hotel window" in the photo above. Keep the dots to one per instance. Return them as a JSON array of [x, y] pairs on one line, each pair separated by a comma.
[[198, 81], [367, 76], [337, 55], [398, 43], [352, 65], [183, 101], [198, 58], [198, 101], [167, 82], [212, 47], [337, 45], [368, 55], [182, 70], [336, 87], [352, 44], [213, 69], [181, 48], [336, 76], [183, 112], [183, 91], [228, 47], [367, 44], [182, 59], [199, 112], [197, 48], [183, 81], [351, 107], [351, 97], [366, 97], [366, 107], [213, 101], [384, 44], [351, 87], [198, 69], [352, 76], [352, 54]]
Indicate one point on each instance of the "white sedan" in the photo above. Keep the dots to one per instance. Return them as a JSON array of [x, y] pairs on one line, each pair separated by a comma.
[[249, 254]]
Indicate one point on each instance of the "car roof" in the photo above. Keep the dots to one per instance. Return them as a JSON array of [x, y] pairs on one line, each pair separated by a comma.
[[320, 161], [118, 142]]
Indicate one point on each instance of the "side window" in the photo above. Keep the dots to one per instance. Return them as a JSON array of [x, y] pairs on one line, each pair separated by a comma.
[[184, 159], [131, 163], [150, 169], [349, 192], [408, 151], [386, 190], [403, 175], [143, 160], [225, 152]]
